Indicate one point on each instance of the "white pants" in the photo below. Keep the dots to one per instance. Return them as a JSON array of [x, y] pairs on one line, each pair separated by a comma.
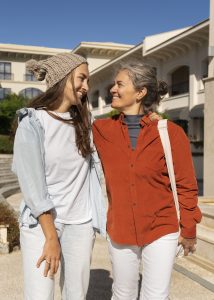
[[157, 258], [76, 249]]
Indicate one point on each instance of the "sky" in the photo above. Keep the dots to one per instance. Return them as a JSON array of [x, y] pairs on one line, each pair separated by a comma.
[[64, 23]]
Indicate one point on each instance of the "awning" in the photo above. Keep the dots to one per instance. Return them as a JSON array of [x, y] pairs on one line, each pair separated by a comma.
[[197, 111], [178, 113]]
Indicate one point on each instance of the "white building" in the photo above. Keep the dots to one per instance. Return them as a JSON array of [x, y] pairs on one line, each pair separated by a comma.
[[180, 58], [14, 78]]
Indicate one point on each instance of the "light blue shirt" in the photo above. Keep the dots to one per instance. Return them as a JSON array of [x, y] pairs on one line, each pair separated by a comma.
[[29, 166]]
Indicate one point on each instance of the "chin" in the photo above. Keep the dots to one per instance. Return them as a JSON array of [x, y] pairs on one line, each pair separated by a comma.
[[114, 105]]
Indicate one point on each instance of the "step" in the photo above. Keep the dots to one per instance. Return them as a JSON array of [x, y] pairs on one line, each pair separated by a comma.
[[6, 168], [205, 242], [7, 175], [9, 190], [208, 215], [5, 165], [6, 158], [197, 269], [7, 182]]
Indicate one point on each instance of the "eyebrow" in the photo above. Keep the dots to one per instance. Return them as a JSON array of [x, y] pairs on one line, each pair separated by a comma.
[[83, 74]]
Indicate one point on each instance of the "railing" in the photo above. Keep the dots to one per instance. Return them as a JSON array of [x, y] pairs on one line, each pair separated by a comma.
[[6, 76]]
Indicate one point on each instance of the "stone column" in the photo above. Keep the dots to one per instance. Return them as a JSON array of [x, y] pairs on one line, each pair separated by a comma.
[[209, 114]]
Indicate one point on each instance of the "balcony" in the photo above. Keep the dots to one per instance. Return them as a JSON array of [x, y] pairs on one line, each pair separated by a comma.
[[175, 102], [6, 76]]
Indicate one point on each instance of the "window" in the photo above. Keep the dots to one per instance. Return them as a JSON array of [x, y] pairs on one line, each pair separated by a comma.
[[5, 71], [108, 98], [30, 93], [95, 99], [4, 92], [28, 76], [180, 81]]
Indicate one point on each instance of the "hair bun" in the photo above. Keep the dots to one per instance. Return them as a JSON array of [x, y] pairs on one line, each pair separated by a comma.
[[35, 67], [162, 88]]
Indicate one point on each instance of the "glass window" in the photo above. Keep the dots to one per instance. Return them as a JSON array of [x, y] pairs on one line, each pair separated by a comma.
[[4, 92], [29, 76], [5, 70], [30, 93], [180, 81], [95, 99]]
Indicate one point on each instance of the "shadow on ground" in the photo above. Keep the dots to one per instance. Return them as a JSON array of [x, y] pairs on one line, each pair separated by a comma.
[[99, 285]]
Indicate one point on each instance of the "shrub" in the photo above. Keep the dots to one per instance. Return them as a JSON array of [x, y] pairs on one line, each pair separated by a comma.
[[6, 144], [8, 108], [110, 114], [8, 217]]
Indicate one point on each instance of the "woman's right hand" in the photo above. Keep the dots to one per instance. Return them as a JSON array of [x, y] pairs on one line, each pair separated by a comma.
[[51, 254]]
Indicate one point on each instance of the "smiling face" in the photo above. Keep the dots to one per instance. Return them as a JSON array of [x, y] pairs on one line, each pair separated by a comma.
[[125, 97], [80, 79]]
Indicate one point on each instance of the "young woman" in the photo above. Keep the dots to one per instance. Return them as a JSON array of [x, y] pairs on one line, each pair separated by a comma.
[[142, 222], [52, 159]]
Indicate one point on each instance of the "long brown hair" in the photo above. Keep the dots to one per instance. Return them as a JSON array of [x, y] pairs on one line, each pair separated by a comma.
[[80, 115]]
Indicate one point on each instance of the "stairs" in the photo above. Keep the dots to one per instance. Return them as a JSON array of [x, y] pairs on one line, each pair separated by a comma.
[[200, 266], [8, 180]]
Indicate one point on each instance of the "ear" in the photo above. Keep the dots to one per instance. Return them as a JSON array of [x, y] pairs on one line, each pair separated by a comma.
[[141, 94]]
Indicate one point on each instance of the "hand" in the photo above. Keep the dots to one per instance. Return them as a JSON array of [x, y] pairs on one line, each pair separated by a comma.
[[51, 254], [154, 116], [188, 244]]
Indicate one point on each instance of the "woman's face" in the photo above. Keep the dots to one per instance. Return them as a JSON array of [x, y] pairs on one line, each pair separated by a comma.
[[125, 98], [81, 78]]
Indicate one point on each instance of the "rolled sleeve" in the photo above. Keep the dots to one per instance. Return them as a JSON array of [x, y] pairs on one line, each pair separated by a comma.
[[186, 183], [29, 167]]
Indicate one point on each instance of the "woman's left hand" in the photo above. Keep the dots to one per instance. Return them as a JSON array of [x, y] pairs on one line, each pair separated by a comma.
[[154, 116], [188, 244]]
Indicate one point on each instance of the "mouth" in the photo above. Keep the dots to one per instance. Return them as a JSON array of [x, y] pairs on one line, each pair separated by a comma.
[[81, 94]]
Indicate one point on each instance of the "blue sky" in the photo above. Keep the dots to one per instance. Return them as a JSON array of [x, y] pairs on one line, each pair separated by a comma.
[[64, 24]]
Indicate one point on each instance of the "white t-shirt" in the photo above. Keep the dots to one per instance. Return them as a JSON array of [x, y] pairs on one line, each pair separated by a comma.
[[67, 172]]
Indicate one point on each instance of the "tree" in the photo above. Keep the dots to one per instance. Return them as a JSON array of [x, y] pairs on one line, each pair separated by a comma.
[[8, 108]]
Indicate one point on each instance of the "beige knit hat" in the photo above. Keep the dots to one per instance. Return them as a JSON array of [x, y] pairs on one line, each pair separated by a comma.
[[55, 68]]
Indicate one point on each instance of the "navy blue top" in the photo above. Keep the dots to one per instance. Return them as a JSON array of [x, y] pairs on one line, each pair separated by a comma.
[[133, 123]]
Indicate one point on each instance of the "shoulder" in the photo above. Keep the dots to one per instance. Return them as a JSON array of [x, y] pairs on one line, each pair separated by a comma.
[[177, 134], [105, 123], [27, 117]]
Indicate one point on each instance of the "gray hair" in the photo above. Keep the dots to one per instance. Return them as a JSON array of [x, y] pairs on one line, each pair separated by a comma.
[[144, 75]]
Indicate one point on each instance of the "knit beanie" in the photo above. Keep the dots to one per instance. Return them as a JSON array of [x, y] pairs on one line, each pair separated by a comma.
[[55, 68]]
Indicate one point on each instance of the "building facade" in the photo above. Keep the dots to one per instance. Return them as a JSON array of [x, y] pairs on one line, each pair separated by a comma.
[[180, 58]]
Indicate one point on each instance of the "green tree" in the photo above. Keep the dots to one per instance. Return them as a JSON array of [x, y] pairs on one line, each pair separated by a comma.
[[8, 108]]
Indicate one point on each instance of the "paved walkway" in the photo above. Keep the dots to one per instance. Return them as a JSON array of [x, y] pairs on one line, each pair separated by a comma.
[[11, 278]]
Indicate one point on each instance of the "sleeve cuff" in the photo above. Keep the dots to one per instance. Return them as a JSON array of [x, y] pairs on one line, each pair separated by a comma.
[[189, 233]]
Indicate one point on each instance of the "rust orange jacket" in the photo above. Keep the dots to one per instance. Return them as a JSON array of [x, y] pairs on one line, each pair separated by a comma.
[[141, 206]]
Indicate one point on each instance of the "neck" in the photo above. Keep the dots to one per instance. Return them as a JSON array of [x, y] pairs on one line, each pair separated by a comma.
[[134, 112], [64, 107]]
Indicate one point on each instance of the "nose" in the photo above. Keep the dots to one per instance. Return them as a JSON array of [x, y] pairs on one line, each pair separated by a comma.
[[113, 89], [85, 85]]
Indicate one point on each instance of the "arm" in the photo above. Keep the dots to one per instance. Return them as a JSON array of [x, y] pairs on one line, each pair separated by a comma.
[[51, 249], [29, 166], [186, 188]]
